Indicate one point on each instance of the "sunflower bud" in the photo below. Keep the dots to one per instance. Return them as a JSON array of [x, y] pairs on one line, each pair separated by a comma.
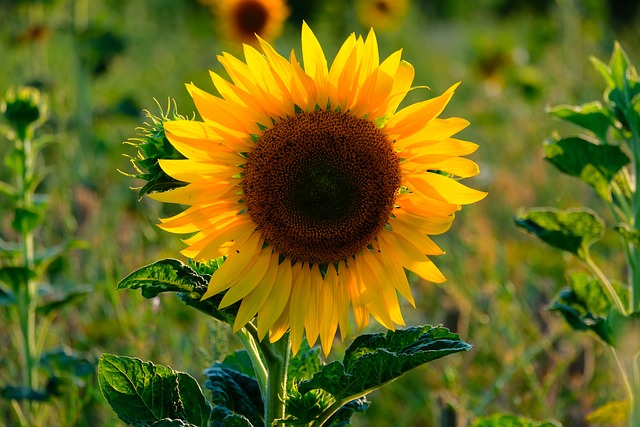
[[24, 108]]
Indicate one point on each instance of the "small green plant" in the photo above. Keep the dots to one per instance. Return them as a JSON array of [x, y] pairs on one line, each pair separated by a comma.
[[31, 301], [605, 156]]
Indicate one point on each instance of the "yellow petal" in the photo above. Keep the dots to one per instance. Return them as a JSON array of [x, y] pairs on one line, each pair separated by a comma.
[[278, 297], [444, 188], [236, 265], [203, 192], [254, 301]]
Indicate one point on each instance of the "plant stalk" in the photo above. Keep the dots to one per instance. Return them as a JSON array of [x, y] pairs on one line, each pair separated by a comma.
[[276, 356]]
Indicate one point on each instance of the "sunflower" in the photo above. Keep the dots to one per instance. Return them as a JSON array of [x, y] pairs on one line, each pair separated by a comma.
[[316, 189], [385, 15], [242, 19]]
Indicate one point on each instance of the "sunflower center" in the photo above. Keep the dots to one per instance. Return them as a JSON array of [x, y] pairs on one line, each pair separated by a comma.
[[321, 185], [250, 17]]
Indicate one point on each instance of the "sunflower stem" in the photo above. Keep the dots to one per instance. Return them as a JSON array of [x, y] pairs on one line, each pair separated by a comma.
[[249, 342], [276, 356]]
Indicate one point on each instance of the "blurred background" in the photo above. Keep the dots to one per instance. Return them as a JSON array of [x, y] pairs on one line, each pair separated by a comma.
[[101, 63]]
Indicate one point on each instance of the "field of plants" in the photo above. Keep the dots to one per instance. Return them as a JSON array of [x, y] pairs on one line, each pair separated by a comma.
[[72, 225]]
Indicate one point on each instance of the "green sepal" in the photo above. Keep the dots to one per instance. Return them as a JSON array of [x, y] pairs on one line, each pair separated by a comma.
[[591, 116], [585, 306], [572, 230], [143, 394], [153, 145], [506, 420], [233, 393], [373, 360], [594, 164], [172, 275]]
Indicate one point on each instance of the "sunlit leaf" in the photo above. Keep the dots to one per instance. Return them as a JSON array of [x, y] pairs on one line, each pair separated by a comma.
[[592, 163], [172, 275], [572, 230], [591, 116], [506, 420], [233, 392], [585, 306], [373, 360], [611, 413], [631, 235], [142, 393]]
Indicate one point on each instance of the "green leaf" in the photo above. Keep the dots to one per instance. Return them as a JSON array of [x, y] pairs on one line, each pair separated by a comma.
[[172, 275], [585, 306], [239, 361], [591, 116], [235, 420], [44, 258], [66, 361], [15, 276], [19, 393], [172, 423], [631, 235], [233, 392], [142, 393], [26, 220], [342, 417], [373, 360], [6, 297], [8, 190], [572, 230], [611, 413], [62, 297], [594, 164], [505, 420]]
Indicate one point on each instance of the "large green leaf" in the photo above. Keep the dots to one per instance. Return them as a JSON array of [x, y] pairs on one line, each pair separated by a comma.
[[572, 230], [591, 116], [172, 275], [592, 163], [373, 360], [505, 420], [585, 306], [143, 394], [233, 393]]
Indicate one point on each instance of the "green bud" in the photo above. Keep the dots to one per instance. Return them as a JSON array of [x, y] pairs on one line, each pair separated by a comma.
[[24, 108]]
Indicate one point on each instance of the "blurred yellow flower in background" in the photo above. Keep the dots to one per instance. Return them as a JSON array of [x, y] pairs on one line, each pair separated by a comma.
[[242, 20], [383, 15], [315, 188]]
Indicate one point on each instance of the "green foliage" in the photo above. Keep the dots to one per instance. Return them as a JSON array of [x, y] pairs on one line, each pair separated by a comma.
[[144, 394], [594, 164], [571, 230], [585, 306], [233, 392], [505, 420], [591, 116], [375, 359], [171, 275]]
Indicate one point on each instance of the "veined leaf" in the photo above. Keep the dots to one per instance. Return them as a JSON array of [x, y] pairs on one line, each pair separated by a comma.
[[591, 116], [144, 394], [233, 393], [373, 360], [573, 230], [172, 275], [594, 164], [506, 420], [585, 306]]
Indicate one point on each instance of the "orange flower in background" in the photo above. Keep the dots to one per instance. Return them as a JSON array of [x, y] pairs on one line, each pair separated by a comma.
[[383, 15], [315, 187], [241, 20]]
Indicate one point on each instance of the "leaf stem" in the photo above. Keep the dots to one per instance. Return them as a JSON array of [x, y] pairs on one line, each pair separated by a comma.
[[634, 252], [613, 295], [250, 344]]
